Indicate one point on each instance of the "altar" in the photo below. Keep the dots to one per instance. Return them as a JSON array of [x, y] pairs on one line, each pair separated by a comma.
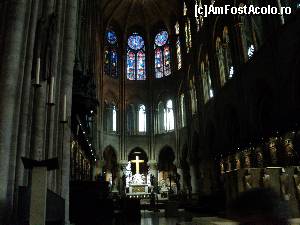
[[138, 189], [137, 185]]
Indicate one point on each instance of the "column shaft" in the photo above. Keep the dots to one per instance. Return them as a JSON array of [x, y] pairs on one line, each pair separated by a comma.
[[9, 77]]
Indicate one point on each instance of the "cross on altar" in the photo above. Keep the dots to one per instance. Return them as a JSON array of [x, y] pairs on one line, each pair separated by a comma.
[[137, 164]]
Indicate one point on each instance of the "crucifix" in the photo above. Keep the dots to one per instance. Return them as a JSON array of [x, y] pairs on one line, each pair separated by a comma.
[[137, 164]]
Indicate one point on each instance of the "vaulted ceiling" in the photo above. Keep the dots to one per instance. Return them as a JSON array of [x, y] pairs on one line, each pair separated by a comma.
[[140, 13]]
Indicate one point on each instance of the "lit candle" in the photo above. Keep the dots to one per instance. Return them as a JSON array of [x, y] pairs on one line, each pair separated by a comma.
[[38, 66], [65, 108], [51, 99]]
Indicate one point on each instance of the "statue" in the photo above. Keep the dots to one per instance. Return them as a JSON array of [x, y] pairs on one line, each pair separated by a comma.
[[237, 161], [289, 151], [266, 182], [272, 151], [177, 181], [152, 179], [296, 177], [284, 185], [247, 180]]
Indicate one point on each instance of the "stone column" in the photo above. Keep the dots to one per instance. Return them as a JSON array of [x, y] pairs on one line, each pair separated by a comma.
[[68, 59], [153, 170], [38, 196], [194, 182], [11, 56], [23, 135], [180, 172], [122, 186], [242, 51]]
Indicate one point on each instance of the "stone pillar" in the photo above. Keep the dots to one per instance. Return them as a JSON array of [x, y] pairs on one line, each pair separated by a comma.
[[38, 196], [153, 170], [194, 182], [242, 52], [122, 186], [180, 173], [24, 135], [68, 59], [11, 59]]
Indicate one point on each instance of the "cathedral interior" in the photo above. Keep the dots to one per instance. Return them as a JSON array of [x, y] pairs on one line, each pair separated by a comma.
[[146, 112]]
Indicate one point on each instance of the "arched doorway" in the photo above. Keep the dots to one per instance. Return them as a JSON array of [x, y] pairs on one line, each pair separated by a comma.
[[110, 167], [167, 170]]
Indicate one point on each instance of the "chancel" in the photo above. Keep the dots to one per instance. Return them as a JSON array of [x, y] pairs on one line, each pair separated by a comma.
[[153, 115]]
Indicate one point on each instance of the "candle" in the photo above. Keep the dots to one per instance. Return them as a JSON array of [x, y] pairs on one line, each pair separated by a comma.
[[37, 75], [51, 99], [65, 108]]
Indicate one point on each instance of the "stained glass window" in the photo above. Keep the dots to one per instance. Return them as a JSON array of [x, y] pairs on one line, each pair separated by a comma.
[[206, 80], [188, 35], [178, 46], [110, 54], [169, 116], [178, 51], [136, 59], [182, 111], [111, 37], [161, 38], [227, 53], [193, 96], [184, 9], [199, 18], [141, 66], [135, 42], [162, 55], [250, 51], [158, 63], [221, 63], [177, 29], [114, 119], [142, 118], [130, 65], [167, 60]]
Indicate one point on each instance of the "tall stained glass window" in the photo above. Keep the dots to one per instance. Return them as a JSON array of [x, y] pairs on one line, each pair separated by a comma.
[[114, 119], [169, 116], [162, 55], [184, 9], [227, 53], [206, 80], [136, 59], [193, 95], [221, 60], [142, 118], [178, 46], [110, 54], [188, 35], [182, 111], [199, 18]]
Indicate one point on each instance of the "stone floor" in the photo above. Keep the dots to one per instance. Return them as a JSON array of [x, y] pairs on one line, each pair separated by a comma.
[[157, 218]]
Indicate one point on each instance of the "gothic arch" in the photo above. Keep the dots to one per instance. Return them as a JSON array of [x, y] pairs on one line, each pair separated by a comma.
[[110, 167], [142, 155]]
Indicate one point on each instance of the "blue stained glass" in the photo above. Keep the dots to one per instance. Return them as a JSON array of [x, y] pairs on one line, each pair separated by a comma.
[[111, 37], [135, 42], [130, 65], [167, 60], [161, 38], [141, 75], [114, 61], [158, 63]]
